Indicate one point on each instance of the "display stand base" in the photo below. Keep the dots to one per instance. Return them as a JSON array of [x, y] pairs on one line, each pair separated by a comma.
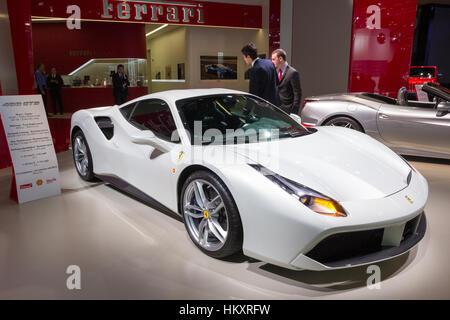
[[13, 191]]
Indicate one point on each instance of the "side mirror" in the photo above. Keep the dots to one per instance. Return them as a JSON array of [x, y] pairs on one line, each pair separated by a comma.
[[296, 117], [443, 108], [148, 138]]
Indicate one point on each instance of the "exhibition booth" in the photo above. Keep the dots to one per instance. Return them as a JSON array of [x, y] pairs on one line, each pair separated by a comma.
[[194, 188], [163, 47]]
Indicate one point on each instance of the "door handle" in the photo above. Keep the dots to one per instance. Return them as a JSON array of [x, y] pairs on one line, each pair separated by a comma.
[[383, 116]]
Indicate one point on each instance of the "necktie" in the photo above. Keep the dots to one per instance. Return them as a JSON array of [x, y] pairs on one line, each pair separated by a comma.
[[279, 74]]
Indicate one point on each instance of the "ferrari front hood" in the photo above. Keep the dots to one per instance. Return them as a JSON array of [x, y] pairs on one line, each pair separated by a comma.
[[341, 163]]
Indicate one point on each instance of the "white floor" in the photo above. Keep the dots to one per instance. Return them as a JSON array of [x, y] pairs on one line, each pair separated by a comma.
[[127, 250]]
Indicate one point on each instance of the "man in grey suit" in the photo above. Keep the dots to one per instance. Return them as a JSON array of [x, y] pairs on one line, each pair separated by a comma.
[[289, 88]]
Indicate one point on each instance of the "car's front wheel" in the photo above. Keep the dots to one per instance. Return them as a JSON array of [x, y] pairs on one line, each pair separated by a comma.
[[82, 156], [210, 215], [345, 122]]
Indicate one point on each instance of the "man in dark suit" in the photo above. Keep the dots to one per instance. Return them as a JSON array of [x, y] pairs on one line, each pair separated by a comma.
[[54, 85], [289, 87], [120, 84], [263, 76]]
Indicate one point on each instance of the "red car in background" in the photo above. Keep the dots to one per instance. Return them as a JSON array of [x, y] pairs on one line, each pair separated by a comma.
[[419, 75]]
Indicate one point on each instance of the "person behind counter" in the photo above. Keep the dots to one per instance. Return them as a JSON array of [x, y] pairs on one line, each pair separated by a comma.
[[120, 84], [54, 84]]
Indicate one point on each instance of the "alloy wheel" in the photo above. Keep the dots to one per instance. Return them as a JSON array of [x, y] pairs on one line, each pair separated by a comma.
[[342, 123], [205, 215], [80, 156]]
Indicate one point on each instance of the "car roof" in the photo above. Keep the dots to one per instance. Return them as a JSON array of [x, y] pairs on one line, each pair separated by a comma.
[[175, 95]]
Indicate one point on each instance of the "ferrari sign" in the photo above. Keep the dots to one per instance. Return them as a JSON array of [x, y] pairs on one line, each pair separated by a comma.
[[154, 11], [31, 147], [182, 12]]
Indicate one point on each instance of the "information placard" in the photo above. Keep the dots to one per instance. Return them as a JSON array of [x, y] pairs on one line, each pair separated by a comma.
[[31, 147]]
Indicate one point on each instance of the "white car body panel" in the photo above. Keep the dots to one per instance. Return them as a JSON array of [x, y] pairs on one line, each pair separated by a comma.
[[366, 177]]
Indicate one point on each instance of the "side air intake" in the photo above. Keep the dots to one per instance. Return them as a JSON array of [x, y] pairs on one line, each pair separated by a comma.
[[105, 124]]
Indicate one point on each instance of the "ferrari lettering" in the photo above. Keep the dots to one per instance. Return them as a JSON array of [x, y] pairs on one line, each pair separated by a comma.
[[154, 12]]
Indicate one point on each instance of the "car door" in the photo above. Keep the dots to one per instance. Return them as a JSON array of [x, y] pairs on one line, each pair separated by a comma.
[[414, 128], [145, 167]]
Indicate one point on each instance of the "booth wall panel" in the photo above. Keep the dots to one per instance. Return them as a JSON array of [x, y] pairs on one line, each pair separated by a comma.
[[381, 45], [56, 46], [321, 39], [75, 99], [8, 77], [19, 12]]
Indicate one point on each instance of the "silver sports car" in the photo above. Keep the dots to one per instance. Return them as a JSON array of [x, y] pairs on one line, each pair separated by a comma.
[[408, 127]]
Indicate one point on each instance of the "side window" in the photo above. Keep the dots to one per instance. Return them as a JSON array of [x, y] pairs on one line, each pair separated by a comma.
[[126, 111], [154, 115]]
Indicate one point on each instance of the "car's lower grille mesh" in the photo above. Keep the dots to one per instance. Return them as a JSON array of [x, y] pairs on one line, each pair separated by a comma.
[[347, 245], [410, 228]]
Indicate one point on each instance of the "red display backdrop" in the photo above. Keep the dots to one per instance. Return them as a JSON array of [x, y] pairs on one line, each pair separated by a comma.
[[56, 46], [4, 152], [75, 99], [19, 14], [274, 25], [172, 12], [382, 39]]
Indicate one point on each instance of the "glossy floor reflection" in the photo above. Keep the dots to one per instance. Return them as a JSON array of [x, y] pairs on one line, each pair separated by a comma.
[[128, 250]]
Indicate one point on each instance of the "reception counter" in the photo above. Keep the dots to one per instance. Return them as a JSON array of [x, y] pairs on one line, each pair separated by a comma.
[[77, 98]]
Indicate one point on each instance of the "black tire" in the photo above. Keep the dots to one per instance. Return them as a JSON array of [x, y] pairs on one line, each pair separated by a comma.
[[234, 240], [344, 122], [89, 175]]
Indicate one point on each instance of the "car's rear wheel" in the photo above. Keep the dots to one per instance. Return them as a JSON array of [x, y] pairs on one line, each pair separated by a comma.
[[345, 122], [82, 156], [210, 215]]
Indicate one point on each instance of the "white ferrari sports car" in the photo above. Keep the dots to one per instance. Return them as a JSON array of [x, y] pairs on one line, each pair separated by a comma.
[[247, 177]]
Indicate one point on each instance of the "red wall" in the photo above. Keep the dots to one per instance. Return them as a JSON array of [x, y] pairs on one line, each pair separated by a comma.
[[19, 15], [75, 99], [381, 56], [274, 26], [55, 45]]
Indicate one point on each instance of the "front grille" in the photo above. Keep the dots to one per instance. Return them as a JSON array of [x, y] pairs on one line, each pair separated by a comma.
[[348, 245], [410, 228]]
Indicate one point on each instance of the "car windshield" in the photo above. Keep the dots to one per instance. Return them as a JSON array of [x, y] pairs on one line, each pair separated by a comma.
[[235, 119], [378, 98], [422, 72]]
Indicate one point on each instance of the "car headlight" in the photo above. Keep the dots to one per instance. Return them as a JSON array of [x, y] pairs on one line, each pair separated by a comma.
[[314, 200]]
